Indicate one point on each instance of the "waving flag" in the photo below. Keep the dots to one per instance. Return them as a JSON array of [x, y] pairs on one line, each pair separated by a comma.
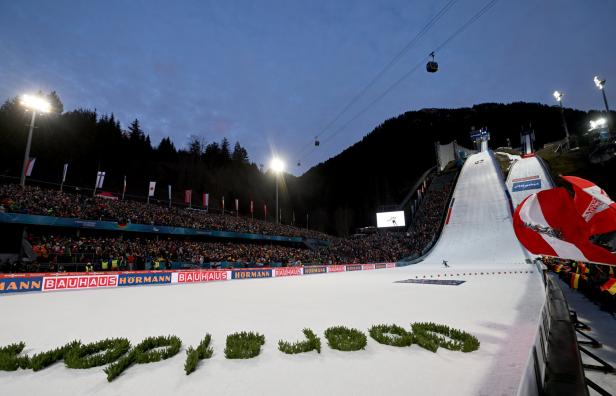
[[547, 223], [188, 197], [594, 205], [152, 189], [30, 166]]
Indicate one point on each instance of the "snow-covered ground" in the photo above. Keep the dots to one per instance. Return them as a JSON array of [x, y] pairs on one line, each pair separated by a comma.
[[499, 302], [494, 308]]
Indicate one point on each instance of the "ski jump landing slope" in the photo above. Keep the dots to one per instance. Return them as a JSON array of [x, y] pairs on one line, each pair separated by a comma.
[[527, 176], [478, 230], [499, 301]]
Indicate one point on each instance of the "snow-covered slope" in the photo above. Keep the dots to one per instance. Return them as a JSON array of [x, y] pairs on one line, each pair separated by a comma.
[[499, 302], [527, 176], [479, 231]]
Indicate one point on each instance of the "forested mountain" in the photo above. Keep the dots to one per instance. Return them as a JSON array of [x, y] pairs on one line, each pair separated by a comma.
[[340, 194]]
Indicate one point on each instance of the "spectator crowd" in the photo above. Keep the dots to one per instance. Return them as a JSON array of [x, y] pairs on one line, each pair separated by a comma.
[[37, 201], [68, 251]]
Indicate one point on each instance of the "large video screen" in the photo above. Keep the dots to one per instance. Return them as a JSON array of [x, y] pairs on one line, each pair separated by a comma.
[[390, 219]]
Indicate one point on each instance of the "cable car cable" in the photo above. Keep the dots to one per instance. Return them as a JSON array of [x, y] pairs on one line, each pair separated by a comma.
[[393, 61], [467, 24]]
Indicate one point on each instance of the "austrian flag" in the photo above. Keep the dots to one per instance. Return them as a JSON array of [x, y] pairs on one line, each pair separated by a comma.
[[594, 205], [547, 223]]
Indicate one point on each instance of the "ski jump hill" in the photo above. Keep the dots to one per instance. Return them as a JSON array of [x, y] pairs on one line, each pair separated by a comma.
[[491, 289]]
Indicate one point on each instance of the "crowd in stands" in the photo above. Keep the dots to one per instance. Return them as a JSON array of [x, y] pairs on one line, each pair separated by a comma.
[[67, 251], [596, 282], [38, 201]]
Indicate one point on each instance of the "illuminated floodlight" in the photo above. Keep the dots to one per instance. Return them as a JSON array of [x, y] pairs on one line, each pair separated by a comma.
[[558, 96], [599, 82], [35, 103], [598, 123], [277, 165]]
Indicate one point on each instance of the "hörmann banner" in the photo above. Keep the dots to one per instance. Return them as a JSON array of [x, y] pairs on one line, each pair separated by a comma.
[[251, 273], [21, 284], [144, 279]]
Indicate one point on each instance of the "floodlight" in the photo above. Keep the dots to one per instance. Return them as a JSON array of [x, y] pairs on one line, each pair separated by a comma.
[[36, 103], [558, 96], [277, 165], [598, 123]]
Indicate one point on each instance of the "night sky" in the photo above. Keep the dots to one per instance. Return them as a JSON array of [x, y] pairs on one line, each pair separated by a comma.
[[273, 74]]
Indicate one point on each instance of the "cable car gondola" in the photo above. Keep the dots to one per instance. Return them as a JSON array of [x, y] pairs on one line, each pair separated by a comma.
[[316, 142], [432, 66]]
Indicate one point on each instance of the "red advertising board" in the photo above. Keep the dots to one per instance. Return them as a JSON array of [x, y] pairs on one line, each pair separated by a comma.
[[79, 282], [200, 276], [288, 271]]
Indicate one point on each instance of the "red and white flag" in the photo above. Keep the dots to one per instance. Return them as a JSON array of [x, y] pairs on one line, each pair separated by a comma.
[[237, 205], [251, 207], [188, 197], [547, 223], [30, 166], [594, 205], [206, 199], [152, 189]]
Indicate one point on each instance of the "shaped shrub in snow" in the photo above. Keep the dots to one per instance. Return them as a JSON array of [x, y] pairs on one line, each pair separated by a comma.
[[432, 335], [345, 339], [193, 355], [87, 356], [391, 335], [152, 349], [311, 343], [244, 345]]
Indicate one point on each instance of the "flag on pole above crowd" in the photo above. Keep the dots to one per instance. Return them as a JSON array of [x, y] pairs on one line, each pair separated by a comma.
[[594, 205], [188, 197], [152, 189], [265, 211], [64, 172], [124, 188], [30, 166], [223, 204], [547, 223], [206, 200], [100, 179], [237, 205], [251, 207]]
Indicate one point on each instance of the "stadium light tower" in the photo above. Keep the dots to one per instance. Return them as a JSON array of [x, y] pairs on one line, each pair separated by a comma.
[[559, 98], [35, 104], [277, 166], [601, 86]]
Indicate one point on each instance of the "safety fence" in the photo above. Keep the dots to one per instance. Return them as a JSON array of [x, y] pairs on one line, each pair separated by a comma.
[[46, 282]]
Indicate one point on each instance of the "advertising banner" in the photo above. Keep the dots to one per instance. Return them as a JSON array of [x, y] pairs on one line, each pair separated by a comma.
[[380, 266], [21, 284], [288, 271], [366, 267], [309, 270], [79, 282], [336, 268], [143, 279], [199, 276], [356, 267], [251, 273]]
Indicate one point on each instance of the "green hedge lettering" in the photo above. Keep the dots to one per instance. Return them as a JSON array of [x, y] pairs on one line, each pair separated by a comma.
[[312, 343], [345, 339], [244, 345], [193, 355]]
